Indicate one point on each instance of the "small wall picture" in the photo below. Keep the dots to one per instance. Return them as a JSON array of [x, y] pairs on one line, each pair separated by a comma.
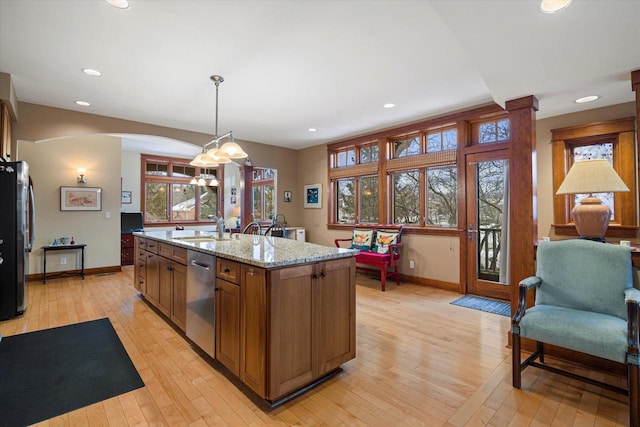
[[125, 197], [287, 196], [233, 191], [233, 200], [313, 196], [80, 198]]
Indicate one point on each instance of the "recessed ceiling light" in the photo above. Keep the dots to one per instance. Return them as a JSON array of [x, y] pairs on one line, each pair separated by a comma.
[[120, 4], [92, 72], [589, 98], [312, 129], [389, 105], [83, 103], [554, 6]]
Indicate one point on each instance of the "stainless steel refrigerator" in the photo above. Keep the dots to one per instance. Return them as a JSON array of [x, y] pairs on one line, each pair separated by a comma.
[[17, 215]]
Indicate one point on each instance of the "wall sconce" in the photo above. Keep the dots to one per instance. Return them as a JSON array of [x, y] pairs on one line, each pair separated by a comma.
[[82, 179]]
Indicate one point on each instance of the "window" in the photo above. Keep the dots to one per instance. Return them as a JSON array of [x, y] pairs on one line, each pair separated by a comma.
[[170, 196], [421, 188], [263, 186], [368, 197], [408, 146], [406, 197], [494, 131], [442, 196], [613, 140]]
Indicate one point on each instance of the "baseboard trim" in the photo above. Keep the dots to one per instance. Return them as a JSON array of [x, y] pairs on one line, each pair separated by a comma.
[[37, 277]]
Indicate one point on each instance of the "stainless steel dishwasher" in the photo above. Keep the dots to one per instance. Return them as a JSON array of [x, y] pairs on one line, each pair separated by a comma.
[[201, 301]]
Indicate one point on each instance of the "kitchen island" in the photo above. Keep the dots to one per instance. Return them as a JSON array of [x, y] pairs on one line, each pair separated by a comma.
[[284, 309]]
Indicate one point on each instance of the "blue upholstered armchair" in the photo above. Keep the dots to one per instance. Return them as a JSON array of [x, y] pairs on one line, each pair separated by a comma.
[[585, 301]]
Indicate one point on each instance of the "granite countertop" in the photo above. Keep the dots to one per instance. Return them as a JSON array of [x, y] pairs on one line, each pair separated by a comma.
[[261, 251]]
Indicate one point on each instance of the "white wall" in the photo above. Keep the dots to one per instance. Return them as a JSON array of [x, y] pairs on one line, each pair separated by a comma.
[[53, 164], [130, 172]]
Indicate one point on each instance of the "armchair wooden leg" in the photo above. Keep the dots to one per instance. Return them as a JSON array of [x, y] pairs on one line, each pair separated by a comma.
[[383, 277], [516, 372], [634, 395], [397, 276]]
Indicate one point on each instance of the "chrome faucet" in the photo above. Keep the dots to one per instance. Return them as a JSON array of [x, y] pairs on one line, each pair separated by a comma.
[[220, 228]]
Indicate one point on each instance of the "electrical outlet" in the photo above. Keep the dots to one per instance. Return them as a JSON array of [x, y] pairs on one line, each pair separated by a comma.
[[63, 260], [107, 215], [412, 264]]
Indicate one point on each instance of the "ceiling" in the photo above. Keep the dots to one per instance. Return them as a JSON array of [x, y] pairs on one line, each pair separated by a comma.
[[290, 65]]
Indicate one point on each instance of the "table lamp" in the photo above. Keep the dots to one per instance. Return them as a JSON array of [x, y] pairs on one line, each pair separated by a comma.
[[591, 217]]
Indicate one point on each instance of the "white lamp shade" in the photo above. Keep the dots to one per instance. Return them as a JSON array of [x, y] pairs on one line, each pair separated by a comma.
[[231, 150], [203, 161], [592, 176], [212, 154]]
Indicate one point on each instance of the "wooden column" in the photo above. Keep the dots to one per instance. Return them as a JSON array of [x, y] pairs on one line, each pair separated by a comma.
[[523, 226]]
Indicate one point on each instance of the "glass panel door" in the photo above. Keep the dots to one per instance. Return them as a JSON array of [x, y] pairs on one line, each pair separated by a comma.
[[487, 224]]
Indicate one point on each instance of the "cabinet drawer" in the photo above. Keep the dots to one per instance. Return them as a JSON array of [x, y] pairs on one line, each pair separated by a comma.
[[151, 246], [173, 252], [126, 241], [228, 270]]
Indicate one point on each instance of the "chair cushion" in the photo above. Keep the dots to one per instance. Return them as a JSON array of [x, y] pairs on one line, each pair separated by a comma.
[[384, 239], [362, 239], [372, 258], [592, 333], [584, 275]]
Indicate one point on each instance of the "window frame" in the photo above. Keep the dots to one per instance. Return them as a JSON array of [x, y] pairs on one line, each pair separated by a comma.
[[621, 133], [169, 179]]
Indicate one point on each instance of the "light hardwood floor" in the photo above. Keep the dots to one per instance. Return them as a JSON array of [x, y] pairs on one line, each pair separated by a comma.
[[420, 361]]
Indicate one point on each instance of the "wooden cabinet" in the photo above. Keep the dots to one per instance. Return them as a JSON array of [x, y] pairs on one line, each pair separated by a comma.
[[165, 280], [126, 249], [228, 325], [310, 313], [162, 279], [179, 296], [253, 328]]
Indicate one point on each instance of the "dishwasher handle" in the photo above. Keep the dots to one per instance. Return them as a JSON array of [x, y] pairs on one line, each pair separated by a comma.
[[201, 265]]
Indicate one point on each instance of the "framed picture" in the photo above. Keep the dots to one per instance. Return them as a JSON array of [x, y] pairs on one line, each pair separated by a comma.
[[287, 196], [313, 196], [80, 198], [125, 197]]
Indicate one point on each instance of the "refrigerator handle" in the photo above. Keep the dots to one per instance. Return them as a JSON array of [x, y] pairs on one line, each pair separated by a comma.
[[32, 218]]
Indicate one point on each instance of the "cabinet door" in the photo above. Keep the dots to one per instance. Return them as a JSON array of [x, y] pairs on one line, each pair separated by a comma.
[[292, 359], [151, 278], [179, 295], [253, 329], [336, 308], [164, 285], [228, 325]]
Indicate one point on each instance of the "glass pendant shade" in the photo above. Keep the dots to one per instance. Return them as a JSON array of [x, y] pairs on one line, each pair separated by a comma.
[[231, 150], [213, 155], [214, 182], [203, 161], [202, 182], [193, 181]]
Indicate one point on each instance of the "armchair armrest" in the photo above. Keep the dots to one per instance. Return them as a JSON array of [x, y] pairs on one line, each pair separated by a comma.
[[632, 294], [524, 286], [394, 247], [336, 241]]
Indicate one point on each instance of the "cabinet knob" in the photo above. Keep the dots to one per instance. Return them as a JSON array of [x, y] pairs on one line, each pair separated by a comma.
[[226, 270], [315, 275], [251, 272], [323, 274]]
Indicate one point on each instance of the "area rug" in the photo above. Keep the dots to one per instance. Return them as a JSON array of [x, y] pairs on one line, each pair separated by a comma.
[[484, 304], [47, 373]]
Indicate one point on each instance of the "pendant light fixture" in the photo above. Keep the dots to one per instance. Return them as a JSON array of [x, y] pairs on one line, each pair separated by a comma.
[[218, 155]]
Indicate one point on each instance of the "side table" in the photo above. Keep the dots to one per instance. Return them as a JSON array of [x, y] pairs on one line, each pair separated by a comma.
[[80, 247]]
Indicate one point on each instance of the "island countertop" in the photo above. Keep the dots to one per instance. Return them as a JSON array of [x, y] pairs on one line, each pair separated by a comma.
[[260, 251]]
